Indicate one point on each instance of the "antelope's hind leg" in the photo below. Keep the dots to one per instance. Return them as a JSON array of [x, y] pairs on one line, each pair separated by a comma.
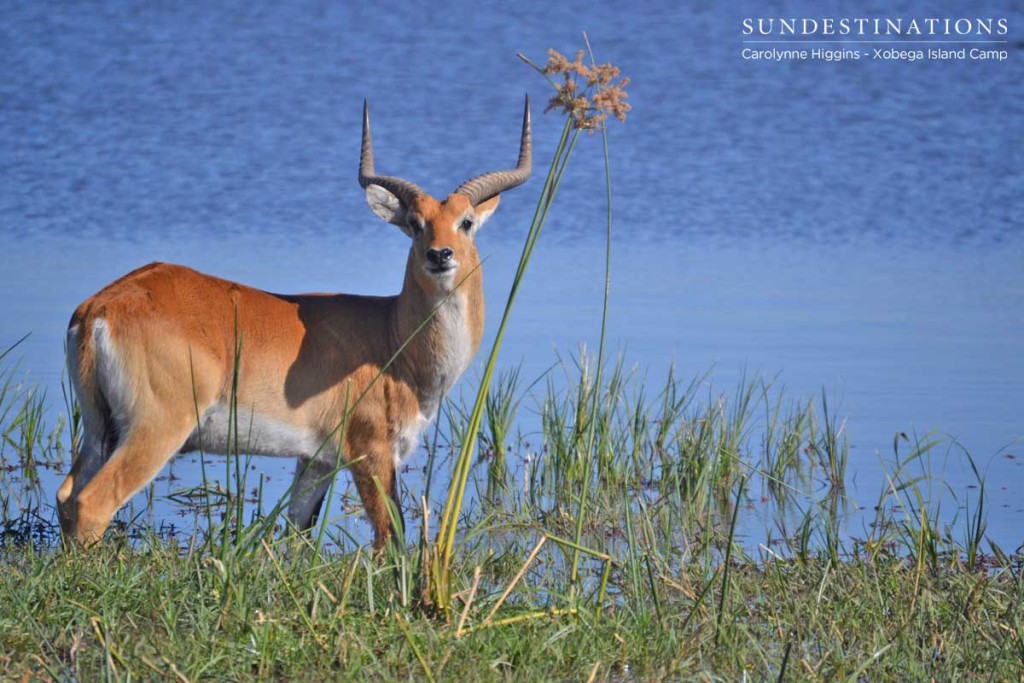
[[95, 449], [100, 437], [143, 451]]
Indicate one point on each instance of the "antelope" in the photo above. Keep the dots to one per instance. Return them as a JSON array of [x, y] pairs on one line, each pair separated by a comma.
[[152, 358]]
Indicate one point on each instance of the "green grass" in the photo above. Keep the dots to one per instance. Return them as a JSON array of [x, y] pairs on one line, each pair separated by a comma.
[[682, 597], [151, 611]]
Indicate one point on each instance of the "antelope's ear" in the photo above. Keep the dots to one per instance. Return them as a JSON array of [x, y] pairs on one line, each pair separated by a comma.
[[484, 209], [387, 206]]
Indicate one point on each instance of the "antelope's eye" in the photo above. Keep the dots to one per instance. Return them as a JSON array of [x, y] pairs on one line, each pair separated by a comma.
[[415, 226], [466, 224]]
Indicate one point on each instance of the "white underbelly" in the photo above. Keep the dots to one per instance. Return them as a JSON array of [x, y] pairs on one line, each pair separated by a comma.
[[256, 435]]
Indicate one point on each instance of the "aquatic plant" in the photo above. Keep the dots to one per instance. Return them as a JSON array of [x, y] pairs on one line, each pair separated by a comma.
[[585, 108]]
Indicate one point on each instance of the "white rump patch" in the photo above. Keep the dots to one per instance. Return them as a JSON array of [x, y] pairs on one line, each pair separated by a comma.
[[111, 375]]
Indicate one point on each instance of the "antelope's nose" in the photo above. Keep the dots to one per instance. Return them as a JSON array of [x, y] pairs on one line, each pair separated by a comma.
[[440, 258]]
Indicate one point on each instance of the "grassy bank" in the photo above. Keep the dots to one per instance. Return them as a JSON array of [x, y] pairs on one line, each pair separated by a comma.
[[684, 596], [155, 613]]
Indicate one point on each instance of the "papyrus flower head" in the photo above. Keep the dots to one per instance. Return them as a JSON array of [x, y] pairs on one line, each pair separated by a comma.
[[599, 96]]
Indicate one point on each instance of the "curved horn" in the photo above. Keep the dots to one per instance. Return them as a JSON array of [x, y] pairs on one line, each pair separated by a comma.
[[403, 189], [489, 184]]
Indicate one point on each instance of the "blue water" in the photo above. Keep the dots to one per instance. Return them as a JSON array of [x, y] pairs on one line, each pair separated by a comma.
[[857, 226]]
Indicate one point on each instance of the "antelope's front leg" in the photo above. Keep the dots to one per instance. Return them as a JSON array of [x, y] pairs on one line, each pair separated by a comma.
[[313, 477], [373, 470]]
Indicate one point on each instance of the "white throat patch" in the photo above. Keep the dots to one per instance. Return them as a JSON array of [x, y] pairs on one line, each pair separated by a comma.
[[457, 354]]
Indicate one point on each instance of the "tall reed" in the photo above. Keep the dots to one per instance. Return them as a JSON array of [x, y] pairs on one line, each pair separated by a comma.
[[585, 109]]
